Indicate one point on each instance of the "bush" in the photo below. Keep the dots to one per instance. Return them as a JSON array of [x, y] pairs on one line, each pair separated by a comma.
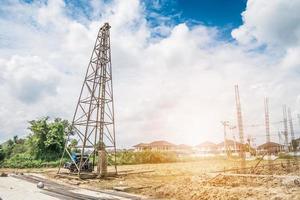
[[22, 161], [26, 161], [285, 156], [54, 163], [129, 157]]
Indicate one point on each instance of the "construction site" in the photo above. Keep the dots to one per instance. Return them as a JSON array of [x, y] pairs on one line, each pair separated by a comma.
[[88, 167]]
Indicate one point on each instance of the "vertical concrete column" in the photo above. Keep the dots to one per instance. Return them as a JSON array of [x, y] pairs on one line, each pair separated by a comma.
[[102, 163]]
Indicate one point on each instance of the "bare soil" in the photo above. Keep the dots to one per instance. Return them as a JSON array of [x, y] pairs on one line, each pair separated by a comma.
[[194, 180]]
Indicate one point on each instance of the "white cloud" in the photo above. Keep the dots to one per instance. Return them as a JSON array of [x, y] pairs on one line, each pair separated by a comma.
[[273, 23], [29, 78], [178, 87]]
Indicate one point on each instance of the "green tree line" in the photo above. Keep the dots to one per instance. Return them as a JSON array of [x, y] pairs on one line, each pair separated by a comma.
[[44, 144]]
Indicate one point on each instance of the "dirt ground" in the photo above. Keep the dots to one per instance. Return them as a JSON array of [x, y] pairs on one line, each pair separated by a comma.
[[194, 180]]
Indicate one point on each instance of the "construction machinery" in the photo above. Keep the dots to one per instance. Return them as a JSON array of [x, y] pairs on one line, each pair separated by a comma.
[[76, 157], [93, 125]]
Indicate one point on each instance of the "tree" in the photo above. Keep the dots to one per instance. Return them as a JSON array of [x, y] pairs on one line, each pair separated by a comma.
[[39, 129], [47, 138], [73, 145], [8, 148], [2, 154], [19, 148], [55, 139]]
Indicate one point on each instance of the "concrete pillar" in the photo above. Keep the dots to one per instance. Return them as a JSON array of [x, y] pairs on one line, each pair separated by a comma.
[[102, 163]]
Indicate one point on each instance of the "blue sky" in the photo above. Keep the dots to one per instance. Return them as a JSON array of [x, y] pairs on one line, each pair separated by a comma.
[[224, 14], [221, 13], [174, 63]]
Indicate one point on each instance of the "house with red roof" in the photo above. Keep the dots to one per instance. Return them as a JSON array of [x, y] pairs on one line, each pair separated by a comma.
[[271, 147], [207, 147], [232, 145], [160, 145]]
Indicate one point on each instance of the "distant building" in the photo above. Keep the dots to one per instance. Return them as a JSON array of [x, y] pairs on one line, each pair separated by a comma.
[[273, 147], [183, 150], [162, 146], [232, 145], [207, 148], [183, 147], [141, 147], [155, 146]]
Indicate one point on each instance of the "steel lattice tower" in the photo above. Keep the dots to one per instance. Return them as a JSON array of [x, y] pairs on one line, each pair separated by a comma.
[[285, 125], [291, 127], [267, 124], [279, 137], [293, 147], [286, 137], [226, 146], [233, 137], [240, 126], [93, 125]]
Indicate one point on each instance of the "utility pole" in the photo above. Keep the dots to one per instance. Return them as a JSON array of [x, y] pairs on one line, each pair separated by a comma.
[[240, 127], [249, 138], [280, 133], [291, 128], [253, 143], [225, 125], [286, 140], [279, 136], [93, 125], [285, 126], [293, 144], [268, 138], [233, 136]]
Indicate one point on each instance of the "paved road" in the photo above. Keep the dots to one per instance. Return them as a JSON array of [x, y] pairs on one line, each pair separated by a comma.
[[24, 187], [12, 188]]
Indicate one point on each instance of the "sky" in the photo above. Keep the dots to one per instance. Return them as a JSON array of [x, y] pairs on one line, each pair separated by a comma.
[[175, 64], [212, 13]]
